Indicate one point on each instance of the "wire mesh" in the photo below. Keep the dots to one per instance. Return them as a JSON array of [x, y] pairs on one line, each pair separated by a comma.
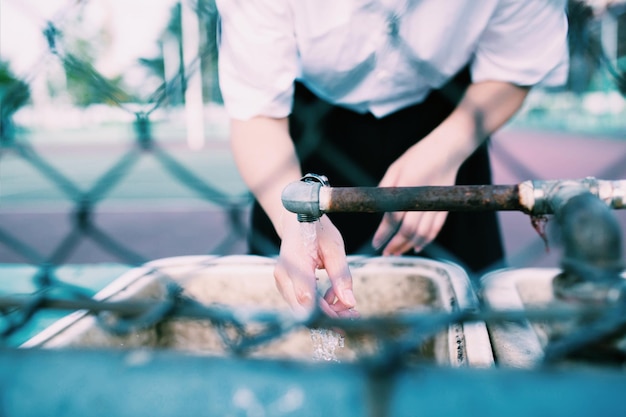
[[84, 201]]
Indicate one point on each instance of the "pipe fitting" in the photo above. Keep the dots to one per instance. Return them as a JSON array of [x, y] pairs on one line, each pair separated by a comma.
[[303, 197], [548, 197], [592, 243]]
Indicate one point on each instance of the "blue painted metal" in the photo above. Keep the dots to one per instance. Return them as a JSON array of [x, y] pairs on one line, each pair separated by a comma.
[[73, 383]]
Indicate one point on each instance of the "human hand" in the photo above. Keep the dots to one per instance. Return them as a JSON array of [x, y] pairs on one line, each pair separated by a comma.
[[306, 247], [400, 232]]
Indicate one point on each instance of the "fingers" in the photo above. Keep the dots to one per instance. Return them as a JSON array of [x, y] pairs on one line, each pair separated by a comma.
[[341, 281], [333, 257], [338, 308], [340, 296], [295, 269], [297, 287], [295, 272], [387, 228], [416, 231], [299, 294], [327, 309]]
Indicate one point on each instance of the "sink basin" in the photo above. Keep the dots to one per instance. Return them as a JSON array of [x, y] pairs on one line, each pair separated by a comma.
[[522, 344], [382, 286]]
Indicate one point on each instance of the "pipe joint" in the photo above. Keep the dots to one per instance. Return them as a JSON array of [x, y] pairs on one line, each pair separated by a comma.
[[548, 197], [303, 197]]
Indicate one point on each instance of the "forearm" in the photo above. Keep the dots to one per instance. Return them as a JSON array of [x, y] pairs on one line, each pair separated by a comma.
[[266, 159], [485, 108]]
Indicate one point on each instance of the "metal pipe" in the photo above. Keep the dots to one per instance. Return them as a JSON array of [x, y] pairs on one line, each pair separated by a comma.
[[426, 198], [314, 198]]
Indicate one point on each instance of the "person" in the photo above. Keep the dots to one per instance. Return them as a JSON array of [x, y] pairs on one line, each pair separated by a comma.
[[392, 93]]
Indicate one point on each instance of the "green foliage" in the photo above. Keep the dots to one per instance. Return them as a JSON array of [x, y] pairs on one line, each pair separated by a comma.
[[87, 86], [174, 89], [14, 93]]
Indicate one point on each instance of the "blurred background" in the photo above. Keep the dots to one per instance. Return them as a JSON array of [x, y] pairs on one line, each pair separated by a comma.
[[114, 142]]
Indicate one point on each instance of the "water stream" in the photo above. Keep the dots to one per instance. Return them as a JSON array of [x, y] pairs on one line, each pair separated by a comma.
[[325, 341]]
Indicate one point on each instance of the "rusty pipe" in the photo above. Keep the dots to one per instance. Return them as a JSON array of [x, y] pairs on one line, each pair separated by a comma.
[[314, 198]]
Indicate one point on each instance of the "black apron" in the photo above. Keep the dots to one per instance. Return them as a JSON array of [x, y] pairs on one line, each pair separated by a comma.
[[354, 149]]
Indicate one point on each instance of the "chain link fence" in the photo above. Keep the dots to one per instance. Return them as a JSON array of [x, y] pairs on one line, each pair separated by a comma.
[[146, 137]]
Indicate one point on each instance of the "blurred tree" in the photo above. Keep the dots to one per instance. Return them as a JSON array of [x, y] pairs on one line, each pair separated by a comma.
[[83, 82], [620, 11], [584, 46], [587, 56], [14, 94], [209, 21], [174, 88], [87, 86]]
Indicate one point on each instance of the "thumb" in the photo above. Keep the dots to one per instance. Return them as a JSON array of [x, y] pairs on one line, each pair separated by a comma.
[[346, 296], [341, 280]]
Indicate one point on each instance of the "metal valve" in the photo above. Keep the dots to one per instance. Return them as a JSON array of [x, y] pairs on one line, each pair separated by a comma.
[[302, 197]]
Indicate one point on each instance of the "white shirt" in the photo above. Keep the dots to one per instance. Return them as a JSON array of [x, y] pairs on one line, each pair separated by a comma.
[[354, 53]]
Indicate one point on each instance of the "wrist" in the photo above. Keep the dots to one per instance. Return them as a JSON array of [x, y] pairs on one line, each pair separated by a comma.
[[285, 220], [448, 152], [456, 139]]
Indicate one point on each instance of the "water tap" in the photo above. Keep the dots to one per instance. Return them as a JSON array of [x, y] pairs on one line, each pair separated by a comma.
[[302, 197]]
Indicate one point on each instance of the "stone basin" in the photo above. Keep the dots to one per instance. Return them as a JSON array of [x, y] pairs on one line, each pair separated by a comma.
[[522, 344], [383, 286]]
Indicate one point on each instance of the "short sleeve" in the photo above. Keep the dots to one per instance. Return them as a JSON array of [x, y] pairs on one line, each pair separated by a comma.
[[525, 43], [257, 60]]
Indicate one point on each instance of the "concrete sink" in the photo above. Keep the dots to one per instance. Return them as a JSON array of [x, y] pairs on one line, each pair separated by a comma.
[[382, 287]]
